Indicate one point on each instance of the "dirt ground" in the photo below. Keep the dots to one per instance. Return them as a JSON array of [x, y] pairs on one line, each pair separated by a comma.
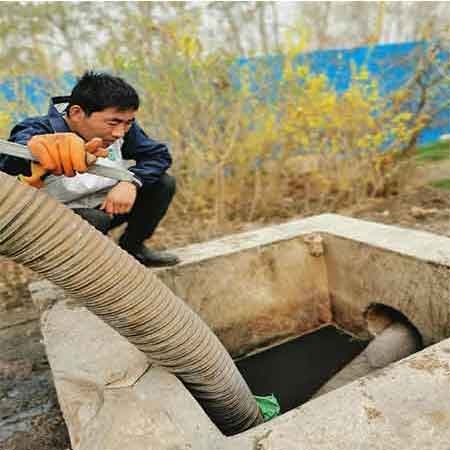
[[419, 206], [30, 418]]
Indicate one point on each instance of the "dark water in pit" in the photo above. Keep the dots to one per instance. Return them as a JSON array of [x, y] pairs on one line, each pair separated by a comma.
[[295, 370]]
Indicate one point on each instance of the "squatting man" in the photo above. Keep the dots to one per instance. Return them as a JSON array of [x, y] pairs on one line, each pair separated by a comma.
[[99, 118]]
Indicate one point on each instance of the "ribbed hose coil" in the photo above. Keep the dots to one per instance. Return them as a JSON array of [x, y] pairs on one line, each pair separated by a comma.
[[40, 233]]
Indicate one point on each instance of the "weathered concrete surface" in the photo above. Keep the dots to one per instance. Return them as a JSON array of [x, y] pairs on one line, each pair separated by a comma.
[[369, 263], [257, 295], [110, 398], [242, 282], [365, 263], [403, 407]]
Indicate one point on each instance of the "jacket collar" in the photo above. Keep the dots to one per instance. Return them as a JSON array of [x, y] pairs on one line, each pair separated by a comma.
[[56, 111]]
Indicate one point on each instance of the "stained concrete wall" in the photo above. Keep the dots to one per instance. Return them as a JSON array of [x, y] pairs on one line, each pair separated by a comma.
[[256, 287], [365, 276], [369, 263], [253, 296]]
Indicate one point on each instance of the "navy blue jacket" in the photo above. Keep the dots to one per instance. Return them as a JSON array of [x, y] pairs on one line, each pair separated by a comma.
[[152, 157]]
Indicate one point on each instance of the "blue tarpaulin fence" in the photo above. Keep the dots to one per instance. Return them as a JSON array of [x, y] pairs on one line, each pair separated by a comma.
[[392, 65]]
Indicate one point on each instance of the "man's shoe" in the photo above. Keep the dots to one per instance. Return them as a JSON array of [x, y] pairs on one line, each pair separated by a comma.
[[153, 258]]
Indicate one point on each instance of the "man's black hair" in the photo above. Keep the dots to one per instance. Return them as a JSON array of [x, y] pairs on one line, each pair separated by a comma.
[[96, 91]]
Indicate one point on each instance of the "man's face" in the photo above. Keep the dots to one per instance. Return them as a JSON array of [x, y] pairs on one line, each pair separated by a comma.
[[109, 124]]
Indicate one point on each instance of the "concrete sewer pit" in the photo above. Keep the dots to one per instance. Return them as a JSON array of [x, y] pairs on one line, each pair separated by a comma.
[[316, 311]]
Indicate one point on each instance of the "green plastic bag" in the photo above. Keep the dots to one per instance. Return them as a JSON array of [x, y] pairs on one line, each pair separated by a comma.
[[268, 405]]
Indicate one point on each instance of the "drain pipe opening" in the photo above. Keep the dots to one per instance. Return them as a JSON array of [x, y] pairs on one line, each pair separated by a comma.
[[394, 338]]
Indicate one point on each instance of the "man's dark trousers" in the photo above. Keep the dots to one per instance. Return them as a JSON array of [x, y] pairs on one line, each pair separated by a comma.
[[151, 205]]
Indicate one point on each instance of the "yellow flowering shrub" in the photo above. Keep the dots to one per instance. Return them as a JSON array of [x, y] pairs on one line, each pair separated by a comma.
[[247, 148], [5, 123]]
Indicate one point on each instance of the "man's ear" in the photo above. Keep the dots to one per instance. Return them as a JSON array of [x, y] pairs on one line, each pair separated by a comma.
[[76, 113]]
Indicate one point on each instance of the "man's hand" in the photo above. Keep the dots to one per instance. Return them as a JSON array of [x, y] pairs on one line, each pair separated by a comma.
[[120, 198], [65, 153]]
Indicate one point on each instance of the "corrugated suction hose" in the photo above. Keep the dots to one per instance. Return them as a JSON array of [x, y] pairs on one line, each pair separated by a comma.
[[42, 234]]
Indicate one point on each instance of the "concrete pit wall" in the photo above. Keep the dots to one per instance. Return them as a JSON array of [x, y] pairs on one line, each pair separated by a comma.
[[256, 296], [254, 289], [406, 270]]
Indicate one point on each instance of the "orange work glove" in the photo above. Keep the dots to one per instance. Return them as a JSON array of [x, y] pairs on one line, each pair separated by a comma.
[[65, 153]]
